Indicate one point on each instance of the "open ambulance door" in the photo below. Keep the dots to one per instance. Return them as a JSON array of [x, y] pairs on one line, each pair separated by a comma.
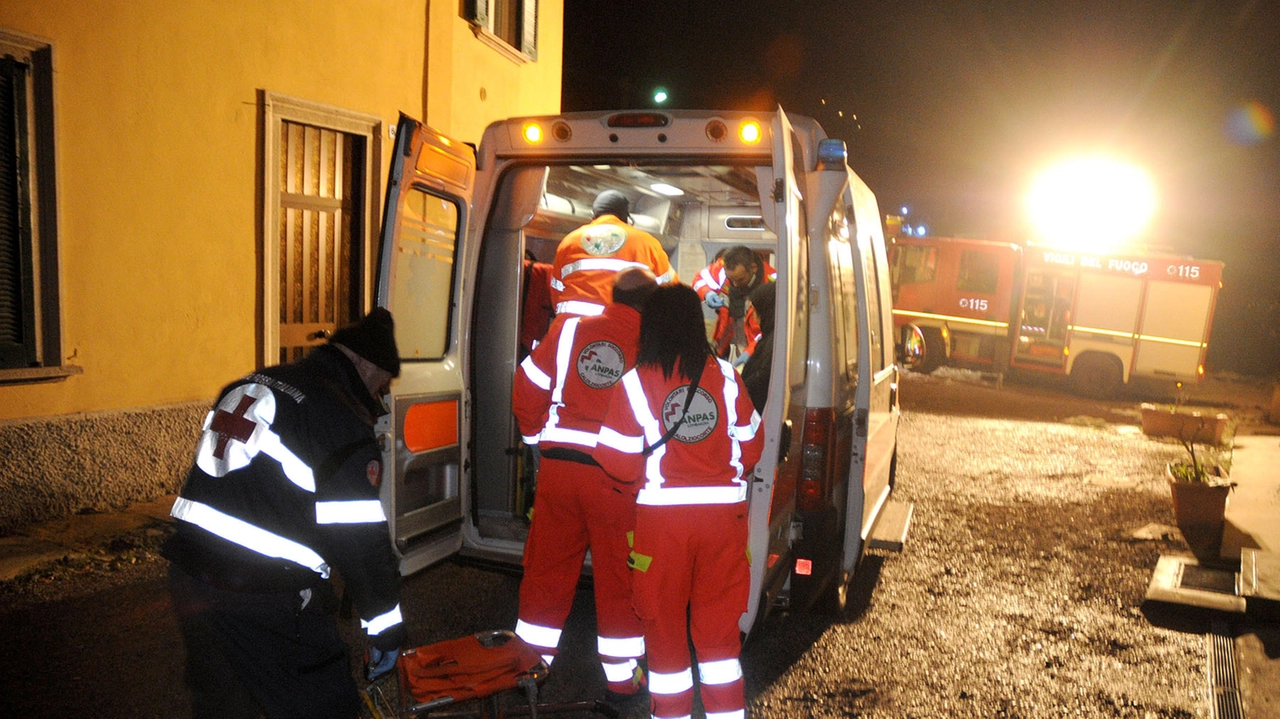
[[424, 221], [791, 333]]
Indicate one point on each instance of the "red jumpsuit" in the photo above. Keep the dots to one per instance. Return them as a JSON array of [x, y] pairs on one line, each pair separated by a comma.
[[713, 278], [559, 400], [588, 258], [691, 526]]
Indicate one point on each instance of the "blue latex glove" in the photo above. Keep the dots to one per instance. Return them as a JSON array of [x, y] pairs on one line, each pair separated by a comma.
[[741, 359], [715, 300], [380, 663]]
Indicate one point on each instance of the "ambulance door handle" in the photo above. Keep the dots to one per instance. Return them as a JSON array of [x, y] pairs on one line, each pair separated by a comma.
[[784, 443]]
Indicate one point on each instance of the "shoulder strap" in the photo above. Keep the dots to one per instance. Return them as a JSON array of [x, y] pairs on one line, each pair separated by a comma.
[[688, 400]]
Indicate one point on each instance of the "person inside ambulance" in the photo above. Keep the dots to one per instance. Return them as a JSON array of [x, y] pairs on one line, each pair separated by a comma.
[[587, 258], [681, 426], [559, 400], [755, 372], [724, 286], [284, 492]]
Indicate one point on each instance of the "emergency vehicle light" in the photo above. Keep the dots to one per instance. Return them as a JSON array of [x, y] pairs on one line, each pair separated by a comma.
[[804, 567], [532, 133], [749, 132]]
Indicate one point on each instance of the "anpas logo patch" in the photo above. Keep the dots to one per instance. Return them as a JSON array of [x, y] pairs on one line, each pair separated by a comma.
[[600, 240], [698, 422], [600, 364]]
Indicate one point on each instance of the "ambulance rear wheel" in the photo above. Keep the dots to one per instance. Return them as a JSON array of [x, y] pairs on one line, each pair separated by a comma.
[[935, 350], [1096, 376]]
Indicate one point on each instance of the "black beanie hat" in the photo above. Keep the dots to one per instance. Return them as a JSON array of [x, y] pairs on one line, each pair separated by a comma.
[[373, 338], [611, 202]]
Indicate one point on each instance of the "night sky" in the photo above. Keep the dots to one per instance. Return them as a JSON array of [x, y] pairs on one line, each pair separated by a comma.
[[949, 107]]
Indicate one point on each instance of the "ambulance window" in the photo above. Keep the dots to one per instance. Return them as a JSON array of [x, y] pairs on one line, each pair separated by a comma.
[[874, 326], [913, 265], [979, 272], [422, 274]]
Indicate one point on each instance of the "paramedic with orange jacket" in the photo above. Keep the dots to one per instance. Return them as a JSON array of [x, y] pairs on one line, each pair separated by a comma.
[[723, 286], [588, 258], [691, 459], [560, 395]]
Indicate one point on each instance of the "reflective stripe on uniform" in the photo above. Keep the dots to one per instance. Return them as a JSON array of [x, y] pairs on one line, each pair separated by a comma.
[[238, 531], [598, 263], [720, 672], [667, 276], [620, 647], [671, 496], [579, 307], [294, 468], [619, 671], [382, 622], [675, 683], [735, 714], [538, 636], [629, 444], [355, 511], [535, 374], [569, 436]]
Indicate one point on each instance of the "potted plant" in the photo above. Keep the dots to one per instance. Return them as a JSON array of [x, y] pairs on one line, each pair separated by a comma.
[[1199, 486]]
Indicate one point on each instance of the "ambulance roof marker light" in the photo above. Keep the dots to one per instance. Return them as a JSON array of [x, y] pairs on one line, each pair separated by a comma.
[[833, 154], [532, 133], [749, 132]]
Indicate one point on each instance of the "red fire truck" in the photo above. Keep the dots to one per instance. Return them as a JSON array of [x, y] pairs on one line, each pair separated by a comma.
[[1098, 320]]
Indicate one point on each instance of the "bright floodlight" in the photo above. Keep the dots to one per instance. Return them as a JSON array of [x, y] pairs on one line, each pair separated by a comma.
[[1093, 204], [660, 96]]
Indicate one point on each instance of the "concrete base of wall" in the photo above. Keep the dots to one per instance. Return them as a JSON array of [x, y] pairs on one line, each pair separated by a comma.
[[53, 467]]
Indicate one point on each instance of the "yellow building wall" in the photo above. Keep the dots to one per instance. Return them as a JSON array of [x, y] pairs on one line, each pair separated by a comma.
[[472, 84], [156, 105]]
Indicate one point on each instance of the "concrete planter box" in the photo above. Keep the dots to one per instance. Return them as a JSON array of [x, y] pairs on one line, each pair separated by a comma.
[[1183, 425]]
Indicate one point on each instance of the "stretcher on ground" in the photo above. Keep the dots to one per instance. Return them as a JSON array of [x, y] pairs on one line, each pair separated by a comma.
[[473, 676]]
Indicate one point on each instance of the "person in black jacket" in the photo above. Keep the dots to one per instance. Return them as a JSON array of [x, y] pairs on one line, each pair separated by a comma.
[[755, 373], [284, 492]]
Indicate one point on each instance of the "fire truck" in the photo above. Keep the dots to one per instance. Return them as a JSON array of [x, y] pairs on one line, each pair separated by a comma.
[[1099, 321]]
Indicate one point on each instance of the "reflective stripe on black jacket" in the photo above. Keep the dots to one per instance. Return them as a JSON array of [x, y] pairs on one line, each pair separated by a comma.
[[284, 489]]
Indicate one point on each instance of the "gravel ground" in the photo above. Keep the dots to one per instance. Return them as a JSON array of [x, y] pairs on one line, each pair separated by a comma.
[[1018, 593]]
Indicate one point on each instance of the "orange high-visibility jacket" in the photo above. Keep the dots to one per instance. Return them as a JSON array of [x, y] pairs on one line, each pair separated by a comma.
[[589, 257]]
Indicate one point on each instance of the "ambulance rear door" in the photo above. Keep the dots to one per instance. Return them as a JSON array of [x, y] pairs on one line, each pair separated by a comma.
[[424, 224], [769, 516]]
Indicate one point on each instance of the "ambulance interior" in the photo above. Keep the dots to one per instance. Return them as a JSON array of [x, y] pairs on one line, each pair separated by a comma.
[[694, 210]]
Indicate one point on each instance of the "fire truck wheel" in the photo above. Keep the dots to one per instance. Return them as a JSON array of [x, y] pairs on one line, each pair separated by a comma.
[[1096, 376], [935, 350]]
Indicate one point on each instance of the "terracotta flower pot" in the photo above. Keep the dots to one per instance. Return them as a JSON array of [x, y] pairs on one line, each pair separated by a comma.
[[1200, 510]]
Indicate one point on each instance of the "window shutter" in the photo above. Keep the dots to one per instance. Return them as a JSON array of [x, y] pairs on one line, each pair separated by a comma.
[[477, 12], [529, 28], [17, 329]]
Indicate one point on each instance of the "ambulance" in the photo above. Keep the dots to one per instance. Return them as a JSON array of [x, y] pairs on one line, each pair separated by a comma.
[[1100, 321], [459, 223]]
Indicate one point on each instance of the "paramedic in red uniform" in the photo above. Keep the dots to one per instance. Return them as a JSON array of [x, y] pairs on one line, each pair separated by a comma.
[[691, 459], [284, 491], [724, 286], [588, 258], [559, 399]]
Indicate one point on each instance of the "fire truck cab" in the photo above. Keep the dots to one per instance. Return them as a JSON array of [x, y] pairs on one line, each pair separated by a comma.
[[458, 224], [1098, 320]]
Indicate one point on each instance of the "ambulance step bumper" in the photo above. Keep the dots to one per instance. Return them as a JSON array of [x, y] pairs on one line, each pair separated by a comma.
[[890, 531]]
